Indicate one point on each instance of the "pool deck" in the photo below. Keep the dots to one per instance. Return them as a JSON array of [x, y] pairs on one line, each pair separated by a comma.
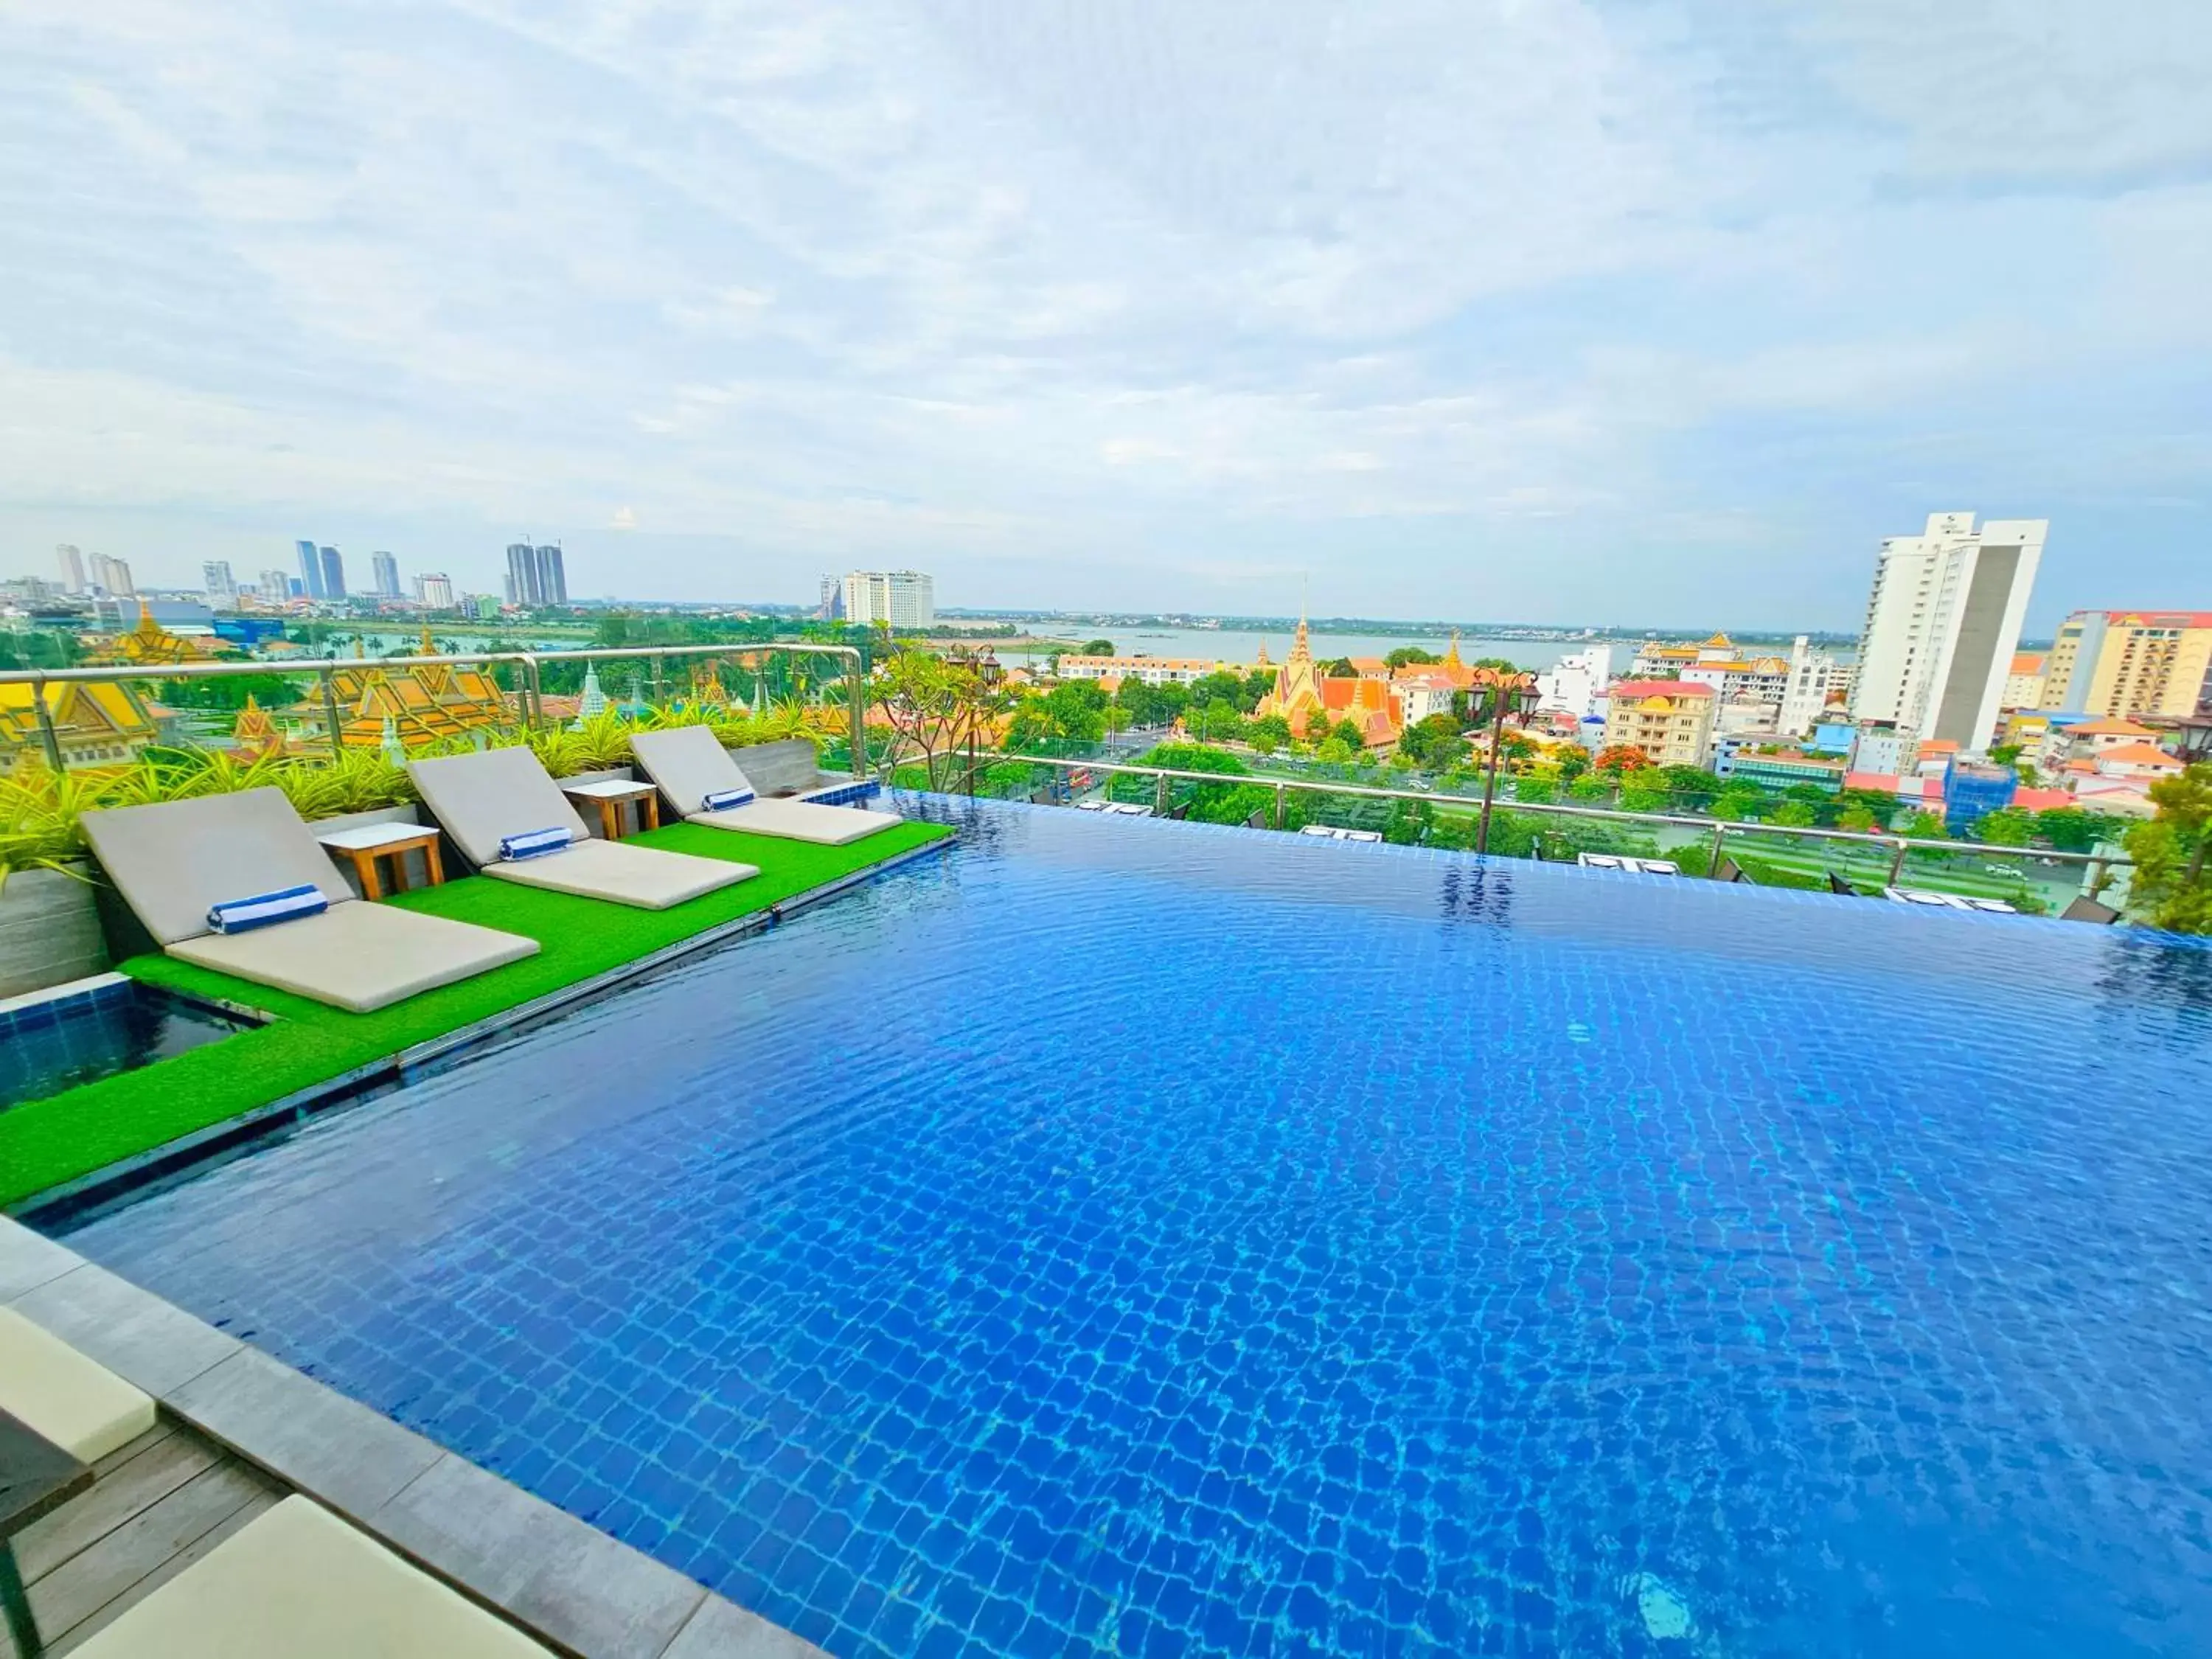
[[116, 1178], [239, 1431]]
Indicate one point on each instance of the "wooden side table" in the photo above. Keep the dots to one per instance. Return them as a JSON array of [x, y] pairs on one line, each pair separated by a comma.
[[365, 844], [612, 796]]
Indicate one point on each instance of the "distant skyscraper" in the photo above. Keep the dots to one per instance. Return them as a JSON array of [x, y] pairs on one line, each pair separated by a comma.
[[333, 574], [216, 581], [112, 576], [522, 573], [386, 572], [434, 590], [832, 608], [311, 570], [276, 588], [552, 576], [904, 598], [1942, 624], [72, 564]]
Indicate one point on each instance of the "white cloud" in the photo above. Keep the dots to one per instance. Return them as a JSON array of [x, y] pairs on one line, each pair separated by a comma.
[[1089, 298]]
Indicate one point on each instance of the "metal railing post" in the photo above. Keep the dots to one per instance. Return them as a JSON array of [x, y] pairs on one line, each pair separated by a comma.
[[49, 739], [659, 689], [533, 695], [1160, 796], [1720, 834], [856, 713], [330, 713], [1896, 864], [1279, 789]]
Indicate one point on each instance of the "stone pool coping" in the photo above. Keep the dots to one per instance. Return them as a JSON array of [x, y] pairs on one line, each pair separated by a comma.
[[115, 1181], [559, 1578]]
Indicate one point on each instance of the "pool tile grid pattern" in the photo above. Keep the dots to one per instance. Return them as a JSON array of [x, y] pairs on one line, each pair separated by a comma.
[[53, 1042], [555, 1576], [1533, 1269]]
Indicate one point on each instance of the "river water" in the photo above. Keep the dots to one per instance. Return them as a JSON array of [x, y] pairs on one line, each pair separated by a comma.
[[1225, 645]]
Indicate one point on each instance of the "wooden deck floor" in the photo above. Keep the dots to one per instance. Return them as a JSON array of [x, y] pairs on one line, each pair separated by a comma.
[[153, 1508]]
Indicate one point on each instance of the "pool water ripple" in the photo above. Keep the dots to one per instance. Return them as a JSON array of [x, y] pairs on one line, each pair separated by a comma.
[[1131, 1237]]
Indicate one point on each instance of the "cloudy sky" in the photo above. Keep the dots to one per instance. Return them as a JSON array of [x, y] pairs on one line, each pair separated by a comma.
[[1538, 309]]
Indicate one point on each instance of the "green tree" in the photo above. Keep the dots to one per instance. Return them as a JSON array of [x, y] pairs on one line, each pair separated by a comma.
[[2008, 826], [230, 691], [2172, 884], [1536, 789], [935, 707], [2073, 829], [2005, 754], [1269, 733], [1736, 804], [1854, 817], [1591, 787], [1072, 712], [1435, 742], [1151, 705], [1096, 648], [1339, 668], [1335, 750], [1257, 684], [1877, 806], [1572, 759], [1214, 803], [1924, 825], [1643, 791], [1797, 815], [1407, 655]]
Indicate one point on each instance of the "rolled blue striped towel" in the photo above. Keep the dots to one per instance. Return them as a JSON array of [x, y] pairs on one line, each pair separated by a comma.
[[843, 794], [533, 844], [243, 916], [723, 800]]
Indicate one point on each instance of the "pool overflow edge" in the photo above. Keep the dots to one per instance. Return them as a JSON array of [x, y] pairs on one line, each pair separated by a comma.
[[77, 1200], [398, 1487]]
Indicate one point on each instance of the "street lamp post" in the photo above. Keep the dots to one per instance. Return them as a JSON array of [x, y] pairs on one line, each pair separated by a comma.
[[1503, 694]]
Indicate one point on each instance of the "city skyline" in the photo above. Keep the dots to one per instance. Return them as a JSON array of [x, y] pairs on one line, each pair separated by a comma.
[[847, 286]]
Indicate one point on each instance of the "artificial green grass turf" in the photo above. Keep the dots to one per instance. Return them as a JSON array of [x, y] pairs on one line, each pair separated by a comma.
[[46, 1142]]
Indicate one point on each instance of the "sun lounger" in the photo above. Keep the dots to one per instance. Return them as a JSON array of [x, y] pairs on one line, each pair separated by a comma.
[[81, 1406], [690, 767], [298, 1581], [504, 795], [174, 862], [1634, 866]]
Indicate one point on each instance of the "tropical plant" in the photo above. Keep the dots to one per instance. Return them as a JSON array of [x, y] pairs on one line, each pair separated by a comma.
[[2173, 883]]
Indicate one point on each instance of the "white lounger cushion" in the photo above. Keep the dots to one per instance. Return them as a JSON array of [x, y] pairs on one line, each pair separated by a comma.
[[483, 799], [357, 957], [799, 820], [174, 861], [688, 764], [83, 1408], [297, 1582], [641, 875]]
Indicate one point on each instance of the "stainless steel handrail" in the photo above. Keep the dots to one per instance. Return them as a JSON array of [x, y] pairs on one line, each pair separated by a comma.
[[1720, 828], [530, 693]]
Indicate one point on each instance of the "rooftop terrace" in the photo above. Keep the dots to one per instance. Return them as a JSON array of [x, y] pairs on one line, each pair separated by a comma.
[[1115, 1235]]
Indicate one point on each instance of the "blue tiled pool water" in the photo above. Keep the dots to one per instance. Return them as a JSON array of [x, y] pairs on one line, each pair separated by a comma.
[[52, 1044], [1135, 1237]]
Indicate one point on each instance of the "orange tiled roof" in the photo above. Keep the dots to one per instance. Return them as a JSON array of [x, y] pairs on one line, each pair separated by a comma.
[[2138, 754], [2109, 728]]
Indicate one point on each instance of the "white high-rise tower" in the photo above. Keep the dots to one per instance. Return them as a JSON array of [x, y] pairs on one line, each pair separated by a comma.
[[1942, 624]]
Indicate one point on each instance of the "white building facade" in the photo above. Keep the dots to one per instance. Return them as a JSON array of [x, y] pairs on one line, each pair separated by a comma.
[[903, 598], [1943, 623], [1814, 677], [1576, 683]]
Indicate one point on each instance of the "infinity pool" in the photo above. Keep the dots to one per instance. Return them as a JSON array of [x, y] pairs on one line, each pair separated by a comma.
[[1137, 1237]]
